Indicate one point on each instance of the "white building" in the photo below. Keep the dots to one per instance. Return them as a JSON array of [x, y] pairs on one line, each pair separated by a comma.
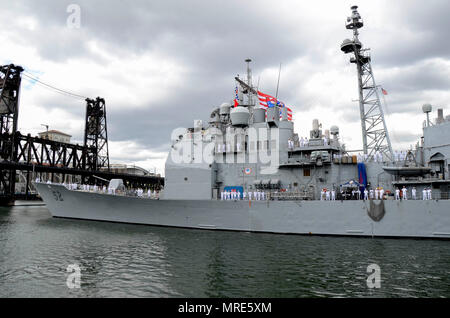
[[55, 135]]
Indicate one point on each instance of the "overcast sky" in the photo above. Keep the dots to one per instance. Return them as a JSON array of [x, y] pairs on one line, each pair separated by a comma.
[[161, 64]]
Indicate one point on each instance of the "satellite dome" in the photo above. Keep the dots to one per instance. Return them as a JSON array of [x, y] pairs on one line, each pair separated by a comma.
[[334, 130], [348, 45], [239, 116], [427, 108], [225, 108]]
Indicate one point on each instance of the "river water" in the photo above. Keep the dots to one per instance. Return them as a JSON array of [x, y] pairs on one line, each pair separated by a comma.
[[120, 260]]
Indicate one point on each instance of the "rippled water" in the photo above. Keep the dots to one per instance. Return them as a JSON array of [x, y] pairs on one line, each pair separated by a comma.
[[119, 260]]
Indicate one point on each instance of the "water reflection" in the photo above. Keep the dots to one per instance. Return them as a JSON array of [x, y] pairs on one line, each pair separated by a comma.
[[120, 260]]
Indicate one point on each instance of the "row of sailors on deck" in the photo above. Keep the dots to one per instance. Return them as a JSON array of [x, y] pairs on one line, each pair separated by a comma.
[[303, 142], [236, 195], [378, 156], [374, 194], [378, 194], [426, 193], [399, 155], [327, 195], [94, 188]]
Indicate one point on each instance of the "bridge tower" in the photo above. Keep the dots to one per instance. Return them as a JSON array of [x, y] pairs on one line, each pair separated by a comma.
[[374, 132], [96, 135], [10, 79]]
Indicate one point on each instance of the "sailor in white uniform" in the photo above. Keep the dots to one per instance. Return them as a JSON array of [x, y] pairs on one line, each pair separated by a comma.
[[244, 195], [397, 194], [250, 195], [405, 193], [429, 194], [413, 193], [333, 195], [321, 195], [366, 194], [290, 144], [424, 194], [327, 195], [371, 194], [381, 194]]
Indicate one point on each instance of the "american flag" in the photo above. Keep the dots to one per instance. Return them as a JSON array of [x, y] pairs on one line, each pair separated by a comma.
[[268, 101], [236, 98]]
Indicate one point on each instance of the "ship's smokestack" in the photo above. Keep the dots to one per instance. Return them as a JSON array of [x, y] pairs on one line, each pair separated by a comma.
[[440, 118]]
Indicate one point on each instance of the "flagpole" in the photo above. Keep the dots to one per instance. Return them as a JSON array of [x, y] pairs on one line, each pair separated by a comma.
[[388, 114]]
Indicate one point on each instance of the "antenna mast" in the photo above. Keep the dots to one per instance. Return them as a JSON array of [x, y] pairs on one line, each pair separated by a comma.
[[249, 82], [374, 132]]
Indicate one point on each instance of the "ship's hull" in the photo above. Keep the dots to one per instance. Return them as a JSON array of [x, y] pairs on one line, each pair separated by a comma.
[[424, 219]]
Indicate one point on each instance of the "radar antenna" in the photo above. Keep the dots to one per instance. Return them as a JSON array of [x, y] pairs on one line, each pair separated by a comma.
[[374, 132]]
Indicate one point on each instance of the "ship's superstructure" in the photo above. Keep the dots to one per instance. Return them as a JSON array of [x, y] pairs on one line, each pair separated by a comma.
[[249, 148]]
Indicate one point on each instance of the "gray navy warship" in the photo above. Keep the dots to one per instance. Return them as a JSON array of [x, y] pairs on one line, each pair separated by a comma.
[[245, 169]]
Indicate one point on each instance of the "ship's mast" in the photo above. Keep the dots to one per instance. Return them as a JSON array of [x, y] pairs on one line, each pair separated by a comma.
[[249, 82], [374, 132]]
